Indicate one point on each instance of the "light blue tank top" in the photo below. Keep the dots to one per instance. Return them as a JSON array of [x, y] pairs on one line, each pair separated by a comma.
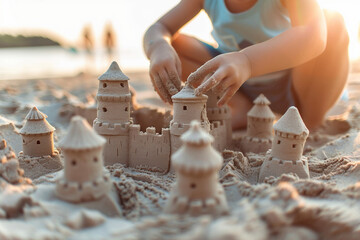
[[235, 31], [265, 20]]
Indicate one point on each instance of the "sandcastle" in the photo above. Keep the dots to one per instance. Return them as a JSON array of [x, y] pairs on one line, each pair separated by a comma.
[[126, 144], [39, 155], [84, 179], [287, 147], [37, 135], [197, 189], [259, 133]]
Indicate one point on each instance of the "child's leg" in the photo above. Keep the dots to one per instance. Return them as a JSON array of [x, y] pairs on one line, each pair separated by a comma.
[[319, 83], [194, 54]]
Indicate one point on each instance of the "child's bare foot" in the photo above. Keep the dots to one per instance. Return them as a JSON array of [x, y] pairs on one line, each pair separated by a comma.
[[239, 106]]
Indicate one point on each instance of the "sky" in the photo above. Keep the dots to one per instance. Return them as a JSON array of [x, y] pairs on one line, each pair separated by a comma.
[[64, 20]]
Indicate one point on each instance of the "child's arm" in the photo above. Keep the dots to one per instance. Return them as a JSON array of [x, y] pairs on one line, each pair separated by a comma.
[[165, 66], [304, 41]]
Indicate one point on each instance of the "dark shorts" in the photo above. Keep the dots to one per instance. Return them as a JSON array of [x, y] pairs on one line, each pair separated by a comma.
[[278, 91]]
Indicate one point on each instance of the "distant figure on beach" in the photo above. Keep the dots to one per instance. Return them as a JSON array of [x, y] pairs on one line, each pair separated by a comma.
[[88, 45], [88, 42], [292, 51], [109, 39]]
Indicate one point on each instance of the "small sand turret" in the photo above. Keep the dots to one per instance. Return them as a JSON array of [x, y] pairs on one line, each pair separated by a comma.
[[187, 107], [197, 189], [84, 179], [260, 121], [113, 114], [37, 135], [287, 147]]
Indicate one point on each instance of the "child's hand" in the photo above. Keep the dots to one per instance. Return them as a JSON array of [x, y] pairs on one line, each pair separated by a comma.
[[165, 71], [224, 74]]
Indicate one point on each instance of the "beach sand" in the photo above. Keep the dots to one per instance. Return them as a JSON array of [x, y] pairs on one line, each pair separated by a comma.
[[326, 206]]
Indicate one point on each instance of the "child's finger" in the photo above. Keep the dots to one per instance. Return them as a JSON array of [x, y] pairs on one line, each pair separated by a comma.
[[174, 78], [160, 89], [197, 76], [225, 84], [227, 95], [211, 82], [169, 86], [178, 70]]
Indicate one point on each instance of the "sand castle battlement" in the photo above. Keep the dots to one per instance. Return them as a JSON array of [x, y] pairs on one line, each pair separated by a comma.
[[126, 144], [111, 98], [215, 112], [106, 128], [290, 135], [179, 128]]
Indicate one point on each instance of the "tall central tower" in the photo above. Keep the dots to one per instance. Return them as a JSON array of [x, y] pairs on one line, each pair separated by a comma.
[[113, 114], [187, 107]]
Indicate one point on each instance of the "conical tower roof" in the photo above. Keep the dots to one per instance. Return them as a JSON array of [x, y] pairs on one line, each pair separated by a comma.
[[292, 123], [114, 73], [261, 108], [187, 93], [196, 155], [81, 136], [261, 100], [36, 123], [35, 114], [197, 136]]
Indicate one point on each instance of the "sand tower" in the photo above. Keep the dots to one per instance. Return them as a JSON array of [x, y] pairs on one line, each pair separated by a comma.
[[260, 121], [287, 147], [37, 135], [84, 178], [113, 114], [187, 107], [221, 114], [197, 189]]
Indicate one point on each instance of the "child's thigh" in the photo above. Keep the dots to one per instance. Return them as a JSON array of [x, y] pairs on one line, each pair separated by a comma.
[[192, 49]]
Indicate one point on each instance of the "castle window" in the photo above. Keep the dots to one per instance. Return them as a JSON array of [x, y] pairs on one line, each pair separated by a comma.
[[126, 109], [73, 162], [95, 159], [184, 107], [104, 85], [23, 140], [104, 109], [278, 142], [38, 142], [294, 146], [122, 84], [193, 185]]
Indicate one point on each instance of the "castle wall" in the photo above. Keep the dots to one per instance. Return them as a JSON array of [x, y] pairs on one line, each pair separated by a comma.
[[116, 150], [149, 148], [218, 131], [38, 145]]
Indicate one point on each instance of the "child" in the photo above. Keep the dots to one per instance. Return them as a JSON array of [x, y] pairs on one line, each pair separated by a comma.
[[290, 50]]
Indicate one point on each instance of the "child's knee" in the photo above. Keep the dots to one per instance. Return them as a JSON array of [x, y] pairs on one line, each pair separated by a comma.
[[336, 27]]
